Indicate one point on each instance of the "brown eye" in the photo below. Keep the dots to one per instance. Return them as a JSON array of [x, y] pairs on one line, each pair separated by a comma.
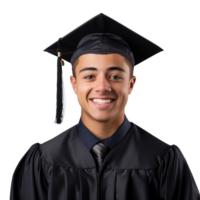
[[88, 76], [118, 77], [93, 76]]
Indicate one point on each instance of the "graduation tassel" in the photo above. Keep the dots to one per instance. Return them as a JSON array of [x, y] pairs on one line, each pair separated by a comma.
[[59, 104]]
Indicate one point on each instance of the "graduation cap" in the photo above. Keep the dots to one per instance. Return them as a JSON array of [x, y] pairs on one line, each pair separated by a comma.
[[101, 35]]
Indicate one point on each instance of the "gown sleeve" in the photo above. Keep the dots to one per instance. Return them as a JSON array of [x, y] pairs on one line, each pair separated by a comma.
[[28, 181], [176, 181]]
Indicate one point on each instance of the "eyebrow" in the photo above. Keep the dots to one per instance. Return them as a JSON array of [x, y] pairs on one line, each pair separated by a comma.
[[109, 69]]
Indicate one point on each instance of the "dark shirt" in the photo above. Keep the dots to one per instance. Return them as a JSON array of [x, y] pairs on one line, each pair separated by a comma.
[[89, 140]]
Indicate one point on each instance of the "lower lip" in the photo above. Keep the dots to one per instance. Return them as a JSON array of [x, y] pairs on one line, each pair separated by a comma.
[[106, 105]]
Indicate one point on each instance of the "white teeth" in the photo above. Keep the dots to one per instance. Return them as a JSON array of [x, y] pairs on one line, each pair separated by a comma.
[[102, 101]]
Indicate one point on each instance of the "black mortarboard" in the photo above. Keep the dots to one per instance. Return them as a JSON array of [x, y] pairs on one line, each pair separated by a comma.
[[101, 35]]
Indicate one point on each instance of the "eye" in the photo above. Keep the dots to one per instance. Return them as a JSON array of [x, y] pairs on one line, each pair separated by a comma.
[[117, 76], [111, 76], [87, 76]]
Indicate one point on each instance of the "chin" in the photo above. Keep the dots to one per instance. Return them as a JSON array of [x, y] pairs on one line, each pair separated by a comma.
[[102, 117]]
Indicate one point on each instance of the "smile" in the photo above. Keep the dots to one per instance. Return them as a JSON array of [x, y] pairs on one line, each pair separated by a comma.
[[102, 103]]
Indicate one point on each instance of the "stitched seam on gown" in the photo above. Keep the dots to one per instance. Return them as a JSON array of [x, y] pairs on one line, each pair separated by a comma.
[[95, 167], [64, 166], [132, 169]]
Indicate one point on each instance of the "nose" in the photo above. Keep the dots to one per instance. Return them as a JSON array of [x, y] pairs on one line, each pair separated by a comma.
[[102, 85]]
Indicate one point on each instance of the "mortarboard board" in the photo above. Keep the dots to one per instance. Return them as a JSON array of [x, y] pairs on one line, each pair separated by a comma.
[[102, 35]]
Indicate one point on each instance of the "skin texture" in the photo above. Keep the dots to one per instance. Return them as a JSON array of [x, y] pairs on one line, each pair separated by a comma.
[[102, 122]]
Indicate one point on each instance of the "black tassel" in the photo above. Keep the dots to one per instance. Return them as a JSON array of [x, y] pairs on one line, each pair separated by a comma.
[[59, 103]]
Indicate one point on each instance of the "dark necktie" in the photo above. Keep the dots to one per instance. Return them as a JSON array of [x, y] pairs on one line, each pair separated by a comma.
[[100, 151]]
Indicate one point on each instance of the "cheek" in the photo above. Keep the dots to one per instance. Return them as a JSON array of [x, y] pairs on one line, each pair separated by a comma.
[[122, 90], [125, 95], [83, 91]]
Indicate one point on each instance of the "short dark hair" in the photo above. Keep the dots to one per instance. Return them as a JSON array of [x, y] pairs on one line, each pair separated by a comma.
[[128, 62]]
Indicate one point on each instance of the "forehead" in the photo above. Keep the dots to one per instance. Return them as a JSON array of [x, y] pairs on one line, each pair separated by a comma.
[[101, 60]]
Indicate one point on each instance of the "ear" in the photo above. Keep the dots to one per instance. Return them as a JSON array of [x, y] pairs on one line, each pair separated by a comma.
[[132, 84], [72, 83]]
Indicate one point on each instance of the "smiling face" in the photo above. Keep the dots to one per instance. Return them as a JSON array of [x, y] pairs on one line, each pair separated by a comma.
[[102, 76]]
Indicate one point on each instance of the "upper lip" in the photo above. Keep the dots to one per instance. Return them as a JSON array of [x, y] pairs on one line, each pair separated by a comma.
[[102, 98]]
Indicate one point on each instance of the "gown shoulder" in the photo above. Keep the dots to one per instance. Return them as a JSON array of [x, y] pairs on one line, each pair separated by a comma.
[[29, 180]]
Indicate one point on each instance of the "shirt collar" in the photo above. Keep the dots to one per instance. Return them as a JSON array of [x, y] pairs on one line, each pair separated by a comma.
[[90, 140]]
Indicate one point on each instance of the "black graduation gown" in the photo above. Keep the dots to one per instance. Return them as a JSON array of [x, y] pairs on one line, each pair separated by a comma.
[[140, 167]]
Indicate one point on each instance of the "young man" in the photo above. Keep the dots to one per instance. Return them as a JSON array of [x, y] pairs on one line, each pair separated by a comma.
[[104, 156], [102, 89]]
